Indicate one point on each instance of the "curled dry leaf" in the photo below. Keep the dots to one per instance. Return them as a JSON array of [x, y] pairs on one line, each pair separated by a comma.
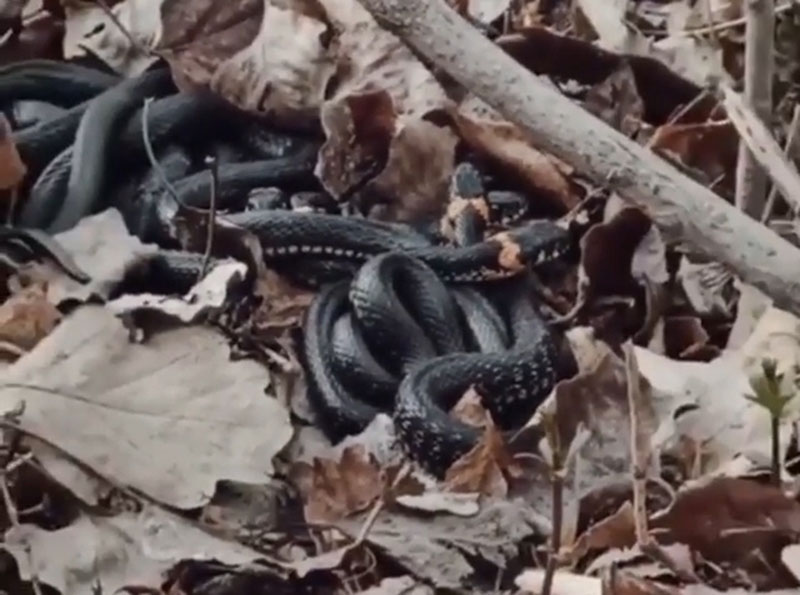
[[27, 317], [483, 129], [12, 170], [89, 29], [333, 490]]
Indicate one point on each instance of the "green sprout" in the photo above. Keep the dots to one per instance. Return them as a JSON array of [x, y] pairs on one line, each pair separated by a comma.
[[768, 387]]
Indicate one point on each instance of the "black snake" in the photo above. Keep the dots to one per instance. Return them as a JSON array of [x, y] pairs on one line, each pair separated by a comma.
[[403, 320]]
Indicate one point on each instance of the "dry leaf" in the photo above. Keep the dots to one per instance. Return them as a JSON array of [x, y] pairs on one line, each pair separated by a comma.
[[734, 521], [283, 305], [685, 338], [130, 548], [333, 490], [614, 531], [483, 468], [616, 101], [419, 157], [90, 30], [12, 170], [707, 147], [621, 235], [470, 409], [707, 286], [199, 35], [27, 317], [284, 71], [486, 131], [142, 408]]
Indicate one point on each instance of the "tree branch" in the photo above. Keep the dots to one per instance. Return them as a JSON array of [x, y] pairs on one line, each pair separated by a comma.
[[683, 209], [751, 179]]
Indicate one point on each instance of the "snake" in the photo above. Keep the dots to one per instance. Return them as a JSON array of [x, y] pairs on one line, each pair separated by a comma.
[[425, 298]]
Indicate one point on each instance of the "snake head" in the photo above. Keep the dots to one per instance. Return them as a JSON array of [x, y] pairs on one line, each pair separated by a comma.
[[541, 242]]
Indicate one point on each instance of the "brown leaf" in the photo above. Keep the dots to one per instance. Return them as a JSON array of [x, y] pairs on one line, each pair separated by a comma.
[[335, 489], [419, 157], [620, 236], [12, 170], [597, 400], [483, 468], [283, 305], [733, 521], [616, 100], [27, 317], [614, 531], [637, 252], [685, 338], [199, 35], [359, 131], [487, 132], [414, 183], [42, 38], [708, 147]]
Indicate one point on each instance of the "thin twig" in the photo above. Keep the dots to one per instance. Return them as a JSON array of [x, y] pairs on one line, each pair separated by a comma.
[[728, 24], [773, 193], [114, 19], [640, 460], [213, 166], [13, 517], [151, 156], [557, 472]]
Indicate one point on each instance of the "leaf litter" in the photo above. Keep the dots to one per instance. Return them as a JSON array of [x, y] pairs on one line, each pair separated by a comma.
[[188, 419]]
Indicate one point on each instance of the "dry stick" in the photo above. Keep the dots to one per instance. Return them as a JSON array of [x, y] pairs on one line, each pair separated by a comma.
[[213, 166], [640, 461], [751, 180], [773, 193], [683, 209]]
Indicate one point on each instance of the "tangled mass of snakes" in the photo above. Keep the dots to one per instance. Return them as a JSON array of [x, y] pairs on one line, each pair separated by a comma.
[[405, 318]]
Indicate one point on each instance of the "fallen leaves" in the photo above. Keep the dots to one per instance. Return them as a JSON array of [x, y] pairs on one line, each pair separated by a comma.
[[175, 393], [335, 489]]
